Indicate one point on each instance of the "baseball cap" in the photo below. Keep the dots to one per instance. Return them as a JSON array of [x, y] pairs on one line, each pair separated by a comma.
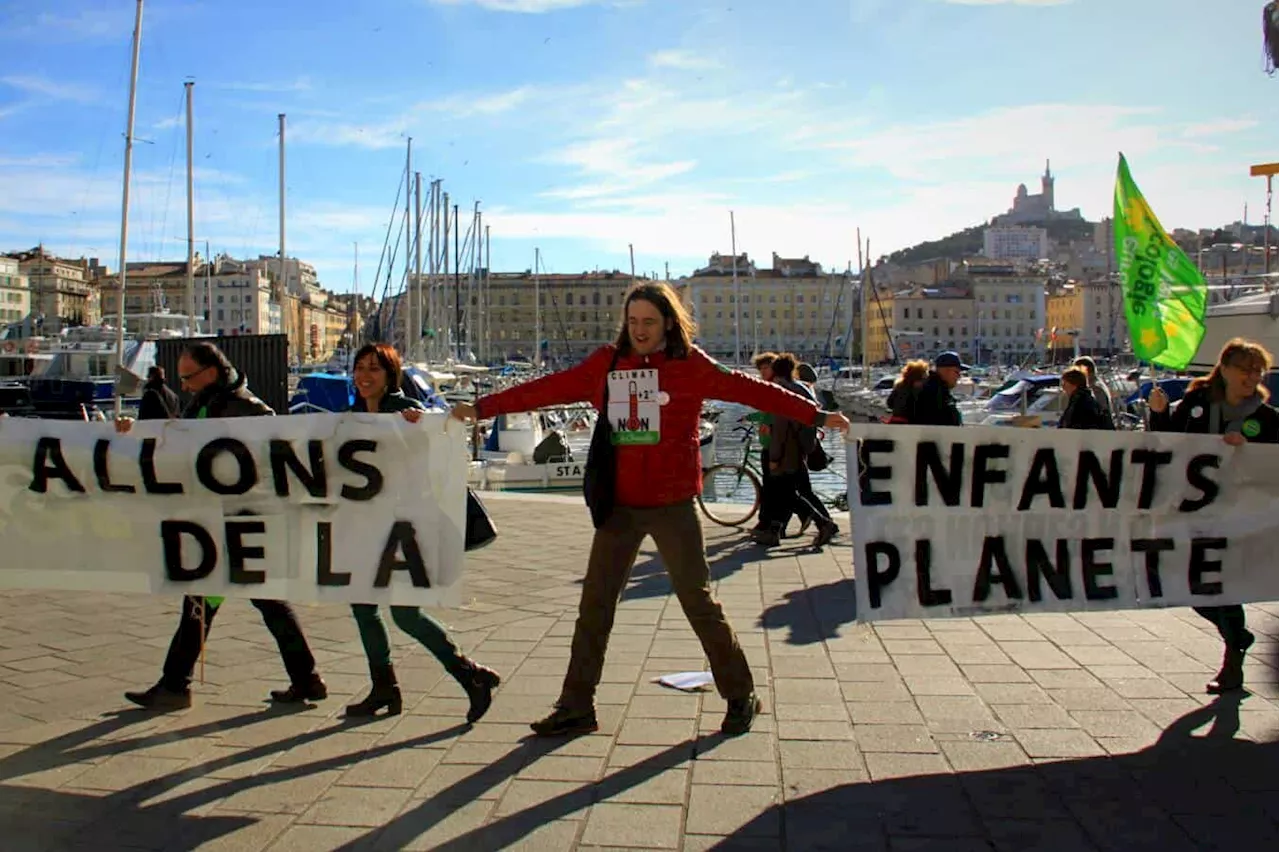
[[949, 359], [806, 373]]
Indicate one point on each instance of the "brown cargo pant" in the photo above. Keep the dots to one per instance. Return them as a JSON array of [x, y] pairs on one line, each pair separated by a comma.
[[677, 532]]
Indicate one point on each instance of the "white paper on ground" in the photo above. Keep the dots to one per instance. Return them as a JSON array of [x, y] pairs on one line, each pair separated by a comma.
[[687, 681]]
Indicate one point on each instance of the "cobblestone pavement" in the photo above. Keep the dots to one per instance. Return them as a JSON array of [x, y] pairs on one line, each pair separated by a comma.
[[1063, 732]]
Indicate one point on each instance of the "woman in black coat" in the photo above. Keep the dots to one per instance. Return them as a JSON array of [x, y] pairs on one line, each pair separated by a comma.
[[1231, 402], [1082, 411], [377, 376]]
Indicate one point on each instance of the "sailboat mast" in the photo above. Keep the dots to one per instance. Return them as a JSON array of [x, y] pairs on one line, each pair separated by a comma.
[[191, 218], [484, 298], [537, 309], [124, 207], [407, 303], [282, 285], [737, 297], [415, 341]]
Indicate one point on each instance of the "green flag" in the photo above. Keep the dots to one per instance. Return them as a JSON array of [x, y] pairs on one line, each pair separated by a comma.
[[1164, 293]]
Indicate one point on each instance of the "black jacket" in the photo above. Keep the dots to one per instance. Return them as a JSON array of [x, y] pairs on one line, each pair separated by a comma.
[[933, 405], [900, 401], [394, 402], [1083, 412], [158, 402], [227, 399], [1191, 415]]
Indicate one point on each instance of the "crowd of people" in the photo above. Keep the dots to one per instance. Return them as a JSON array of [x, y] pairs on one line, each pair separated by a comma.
[[652, 489]]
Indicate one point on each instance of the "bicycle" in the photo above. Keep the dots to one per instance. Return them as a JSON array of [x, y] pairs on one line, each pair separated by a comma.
[[737, 487], [732, 483]]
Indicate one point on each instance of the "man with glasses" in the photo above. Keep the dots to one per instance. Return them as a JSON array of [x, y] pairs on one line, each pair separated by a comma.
[[219, 390]]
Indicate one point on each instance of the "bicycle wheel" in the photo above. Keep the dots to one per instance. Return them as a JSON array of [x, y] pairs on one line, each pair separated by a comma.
[[732, 494]]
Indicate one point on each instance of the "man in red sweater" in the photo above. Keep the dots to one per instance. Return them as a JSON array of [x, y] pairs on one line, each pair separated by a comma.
[[657, 381]]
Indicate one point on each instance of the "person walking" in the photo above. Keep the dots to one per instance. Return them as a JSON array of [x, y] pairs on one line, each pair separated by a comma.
[[1098, 388], [656, 381], [378, 374], [158, 402], [787, 461], [1082, 411], [764, 434], [1232, 402], [219, 390], [903, 396], [933, 404]]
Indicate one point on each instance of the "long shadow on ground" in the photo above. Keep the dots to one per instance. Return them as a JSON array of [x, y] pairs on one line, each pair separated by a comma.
[[1186, 792]]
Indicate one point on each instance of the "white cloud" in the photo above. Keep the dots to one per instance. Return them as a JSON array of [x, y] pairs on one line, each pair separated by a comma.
[[684, 60], [531, 7], [390, 132], [42, 87], [1221, 126]]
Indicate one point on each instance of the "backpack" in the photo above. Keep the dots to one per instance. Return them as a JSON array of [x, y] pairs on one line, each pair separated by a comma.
[[815, 456]]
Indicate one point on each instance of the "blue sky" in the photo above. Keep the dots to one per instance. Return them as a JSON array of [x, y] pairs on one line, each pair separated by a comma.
[[582, 126]]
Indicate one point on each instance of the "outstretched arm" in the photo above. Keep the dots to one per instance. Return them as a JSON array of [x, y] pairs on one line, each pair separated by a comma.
[[733, 386], [579, 383]]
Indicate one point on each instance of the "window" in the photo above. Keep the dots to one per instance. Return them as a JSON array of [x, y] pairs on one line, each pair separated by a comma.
[[906, 313], [800, 299], [919, 313]]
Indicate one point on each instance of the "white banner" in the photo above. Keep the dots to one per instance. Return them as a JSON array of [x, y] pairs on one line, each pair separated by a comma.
[[317, 508], [973, 520]]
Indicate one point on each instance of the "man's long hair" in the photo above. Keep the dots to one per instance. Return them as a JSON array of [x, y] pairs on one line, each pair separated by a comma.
[[674, 314]]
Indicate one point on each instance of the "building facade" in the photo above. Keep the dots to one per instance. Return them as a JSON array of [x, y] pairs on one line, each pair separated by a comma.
[[1011, 242], [793, 306], [62, 291], [1088, 315], [15, 299], [1009, 310]]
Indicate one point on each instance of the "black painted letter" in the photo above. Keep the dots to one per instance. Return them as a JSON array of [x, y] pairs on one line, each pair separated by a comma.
[[1039, 566], [373, 477], [147, 465], [284, 460], [982, 454], [1094, 570], [238, 552], [867, 472], [1196, 479], [244, 459], [947, 479], [101, 455], [402, 538], [1106, 483], [324, 558], [928, 595], [1151, 548], [995, 557], [1150, 461], [1043, 478], [171, 533], [1198, 566], [877, 580], [50, 463]]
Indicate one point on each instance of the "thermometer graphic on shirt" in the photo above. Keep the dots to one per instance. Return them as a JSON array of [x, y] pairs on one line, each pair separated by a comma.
[[633, 402]]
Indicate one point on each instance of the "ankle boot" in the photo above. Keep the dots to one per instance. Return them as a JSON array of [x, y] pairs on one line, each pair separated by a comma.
[[1231, 676], [479, 683], [385, 693]]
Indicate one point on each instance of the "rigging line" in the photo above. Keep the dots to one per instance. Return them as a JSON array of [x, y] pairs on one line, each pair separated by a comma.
[[168, 190], [564, 331], [90, 186]]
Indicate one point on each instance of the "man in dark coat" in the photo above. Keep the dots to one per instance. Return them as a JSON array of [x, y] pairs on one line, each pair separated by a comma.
[[933, 404], [219, 390], [159, 402]]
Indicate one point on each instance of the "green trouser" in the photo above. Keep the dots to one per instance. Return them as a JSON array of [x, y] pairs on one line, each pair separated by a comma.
[[419, 625]]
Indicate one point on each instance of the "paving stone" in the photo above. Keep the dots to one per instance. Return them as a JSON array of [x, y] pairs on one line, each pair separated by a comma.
[[875, 690], [572, 798], [981, 756], [807, 730], [748, 811], [1012, 693], [656, 731], [1038, 655], [1050, 742], [638, 826], [1148, 687], [795, 691], [932, 685], [1034, 716], [751, 773], [362, 806], [1115, 723], [886, 765], [668, 788], [885, 712], [1088, 699], [809, 755], [895, 738], [994, 673]]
